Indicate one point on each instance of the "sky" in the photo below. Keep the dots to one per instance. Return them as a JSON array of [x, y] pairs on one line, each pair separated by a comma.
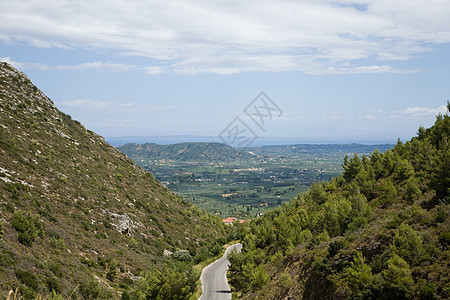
[[363, 71]]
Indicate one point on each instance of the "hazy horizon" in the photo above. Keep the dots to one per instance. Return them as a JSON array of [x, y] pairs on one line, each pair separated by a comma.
[[263, 141]]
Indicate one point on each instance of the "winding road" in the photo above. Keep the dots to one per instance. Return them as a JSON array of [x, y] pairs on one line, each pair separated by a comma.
[[214, 278]]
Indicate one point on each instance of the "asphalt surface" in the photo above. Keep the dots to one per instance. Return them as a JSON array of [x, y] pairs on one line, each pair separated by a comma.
[[214, 278]]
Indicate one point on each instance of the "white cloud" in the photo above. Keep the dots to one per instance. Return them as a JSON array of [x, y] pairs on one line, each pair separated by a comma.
[[23, 65], [155, 108], [114, 123], [87, 103], [367, 117], [366, 69], [418, 112], [98, 65], [129, 107], [225, 37], [129, 104], [424, 111], [155, 70]]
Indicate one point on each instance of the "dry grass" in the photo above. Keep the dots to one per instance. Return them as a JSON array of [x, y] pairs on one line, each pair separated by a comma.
[[15, 295]]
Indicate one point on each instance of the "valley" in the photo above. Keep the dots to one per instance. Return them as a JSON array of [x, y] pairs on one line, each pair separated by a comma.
[[242, 183], [224, 150], [81, 220]]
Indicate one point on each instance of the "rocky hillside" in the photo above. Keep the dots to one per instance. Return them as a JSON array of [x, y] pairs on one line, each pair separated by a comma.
[[379, 231], [76, 215], [184, 151]]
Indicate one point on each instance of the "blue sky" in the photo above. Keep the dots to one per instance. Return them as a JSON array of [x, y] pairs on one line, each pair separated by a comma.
[[341, 71]]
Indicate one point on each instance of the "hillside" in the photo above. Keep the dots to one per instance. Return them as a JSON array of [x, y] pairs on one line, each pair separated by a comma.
[[198, 151], [76, 215], [379, 231]]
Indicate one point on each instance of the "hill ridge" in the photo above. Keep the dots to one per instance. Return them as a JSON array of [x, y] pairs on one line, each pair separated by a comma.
[[74, 210], [188, 151], [381, 230]]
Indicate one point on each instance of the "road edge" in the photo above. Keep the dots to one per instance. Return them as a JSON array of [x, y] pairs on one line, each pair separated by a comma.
[[227, 251]]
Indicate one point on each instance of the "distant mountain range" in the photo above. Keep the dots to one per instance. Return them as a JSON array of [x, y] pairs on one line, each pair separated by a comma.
[[199, 151], [261, 141], [322, 148], [216, 152]]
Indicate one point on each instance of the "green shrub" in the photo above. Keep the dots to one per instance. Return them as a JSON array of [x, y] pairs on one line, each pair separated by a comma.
[[441, 215], [444, 240], [29, 227], [260, 278], [427, 290], [335, 246], [1, 229], [359, 277], [388, 193], [56, 269], [408, 245], [107, 224], [18, 222], [28, 278], [90, 289], [351, 167], [285, 281], [398, 279], [133, 244], [58, 243], [404, 169], [356, 223], [55, 296], [112, 273], [53, 285], [412, 191], [26, 238], [182, 255], [170, 282], [215, 248]]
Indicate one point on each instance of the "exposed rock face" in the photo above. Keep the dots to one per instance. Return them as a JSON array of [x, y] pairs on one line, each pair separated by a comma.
[[124, 223]]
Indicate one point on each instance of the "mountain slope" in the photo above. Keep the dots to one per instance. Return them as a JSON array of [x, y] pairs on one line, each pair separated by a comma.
[[198, 151], [379, 231], [75, 213]]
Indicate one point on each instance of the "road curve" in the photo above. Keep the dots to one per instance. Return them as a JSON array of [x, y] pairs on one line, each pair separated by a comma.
[[214, 278]]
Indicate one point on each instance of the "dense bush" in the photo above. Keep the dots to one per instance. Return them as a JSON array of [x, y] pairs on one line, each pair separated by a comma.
[[358, 277], [28, 278], [1, 229], [53, 285], [182, 255], [380, 231], [171, 281], [90, 289], [29, 227]]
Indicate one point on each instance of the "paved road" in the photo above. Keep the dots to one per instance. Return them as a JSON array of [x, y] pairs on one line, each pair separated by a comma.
[[214, 278]]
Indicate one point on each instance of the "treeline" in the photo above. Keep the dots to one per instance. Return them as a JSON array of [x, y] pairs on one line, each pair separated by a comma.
[[379, 231]]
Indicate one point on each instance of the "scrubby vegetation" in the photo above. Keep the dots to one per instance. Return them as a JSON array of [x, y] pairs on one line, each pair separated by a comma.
[[379, 231], [77, 217]]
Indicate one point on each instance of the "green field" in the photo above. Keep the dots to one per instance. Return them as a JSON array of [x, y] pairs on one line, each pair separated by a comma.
[[244, 185]]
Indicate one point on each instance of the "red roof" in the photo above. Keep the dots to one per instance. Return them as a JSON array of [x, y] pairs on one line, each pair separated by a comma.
[[229, 220]]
